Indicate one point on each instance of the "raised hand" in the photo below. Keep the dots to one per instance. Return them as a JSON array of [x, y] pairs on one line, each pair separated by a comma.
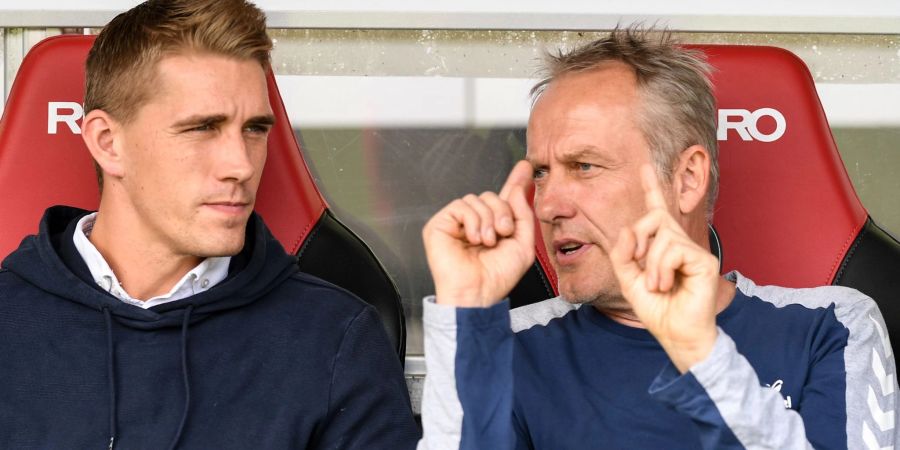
[[478, 247], [669, 280]]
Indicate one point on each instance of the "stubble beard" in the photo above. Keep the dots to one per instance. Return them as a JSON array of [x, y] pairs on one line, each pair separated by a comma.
[[603, 301], [604, 298], [213, 245]]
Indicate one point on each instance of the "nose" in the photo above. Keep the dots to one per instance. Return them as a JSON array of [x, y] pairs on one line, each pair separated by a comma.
[[554, 199], [235, 161]]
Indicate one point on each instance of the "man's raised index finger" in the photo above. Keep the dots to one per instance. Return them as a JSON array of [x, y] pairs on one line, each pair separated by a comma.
[[521, 175], [653, 195]]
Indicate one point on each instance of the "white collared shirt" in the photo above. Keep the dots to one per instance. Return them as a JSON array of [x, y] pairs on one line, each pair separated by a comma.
[[202, 278]]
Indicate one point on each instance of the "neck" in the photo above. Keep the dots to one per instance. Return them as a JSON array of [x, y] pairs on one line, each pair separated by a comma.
[[623, 316], [144, 268], [626, 316]]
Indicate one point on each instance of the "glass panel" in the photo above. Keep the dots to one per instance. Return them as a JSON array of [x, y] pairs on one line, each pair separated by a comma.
[[872, 158], [384, 183]]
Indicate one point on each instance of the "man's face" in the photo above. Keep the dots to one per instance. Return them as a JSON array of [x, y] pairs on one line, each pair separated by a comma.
[[193, 155], [586, 148]]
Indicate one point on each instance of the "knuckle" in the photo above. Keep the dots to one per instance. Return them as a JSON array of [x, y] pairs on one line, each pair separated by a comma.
[[473, 203]]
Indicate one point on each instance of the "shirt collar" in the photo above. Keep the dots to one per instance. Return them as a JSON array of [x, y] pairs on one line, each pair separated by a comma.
[[202, 278]]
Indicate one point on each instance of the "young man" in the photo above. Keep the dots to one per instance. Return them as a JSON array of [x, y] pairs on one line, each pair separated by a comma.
[[171, 317], [647, 346]]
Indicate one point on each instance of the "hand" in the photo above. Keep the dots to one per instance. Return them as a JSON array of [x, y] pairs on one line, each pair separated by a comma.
[[478, 247], [669, 280]]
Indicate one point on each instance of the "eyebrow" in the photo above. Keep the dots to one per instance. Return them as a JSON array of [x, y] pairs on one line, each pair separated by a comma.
[[574, 155], [267, 119], [580, 153], [200, 119], [214, 119]]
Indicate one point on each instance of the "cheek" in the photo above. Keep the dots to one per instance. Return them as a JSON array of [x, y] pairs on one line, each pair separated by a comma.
[[602, 209], [259, 161], [257, 152], [167, 180]]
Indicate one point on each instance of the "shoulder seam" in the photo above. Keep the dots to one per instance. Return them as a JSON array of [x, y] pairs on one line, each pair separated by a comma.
[[304, 277], [337, 356]]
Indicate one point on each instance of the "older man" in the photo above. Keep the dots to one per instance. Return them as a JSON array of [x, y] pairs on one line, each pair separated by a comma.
[[647, 346]]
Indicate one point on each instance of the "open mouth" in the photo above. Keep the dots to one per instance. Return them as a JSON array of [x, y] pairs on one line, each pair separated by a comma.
[[569, 248]]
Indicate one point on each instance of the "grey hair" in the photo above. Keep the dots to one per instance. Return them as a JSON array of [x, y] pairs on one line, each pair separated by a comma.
[[678, 108]]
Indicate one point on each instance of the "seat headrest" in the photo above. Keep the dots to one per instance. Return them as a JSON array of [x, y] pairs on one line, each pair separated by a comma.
[[787, 211]]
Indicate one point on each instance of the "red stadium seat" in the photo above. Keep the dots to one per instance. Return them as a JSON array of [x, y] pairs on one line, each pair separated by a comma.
[[43, 162], [787, 213]]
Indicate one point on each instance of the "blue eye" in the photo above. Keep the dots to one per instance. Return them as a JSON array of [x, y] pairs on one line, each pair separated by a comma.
[[539, 173], [584, 167]]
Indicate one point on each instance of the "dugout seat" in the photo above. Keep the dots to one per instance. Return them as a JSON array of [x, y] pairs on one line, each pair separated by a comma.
[[43, 162], [787, 213]]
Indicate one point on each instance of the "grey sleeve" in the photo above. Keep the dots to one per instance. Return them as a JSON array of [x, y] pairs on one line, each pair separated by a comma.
[[867, 367], [441, 409], [871, 374], [850, 396], [723, 397], [467, 398]]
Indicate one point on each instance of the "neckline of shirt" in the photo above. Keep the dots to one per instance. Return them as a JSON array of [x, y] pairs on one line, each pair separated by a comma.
[[641, 334], [203, 277]]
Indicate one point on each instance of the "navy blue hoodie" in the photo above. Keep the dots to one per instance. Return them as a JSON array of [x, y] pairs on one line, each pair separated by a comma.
[[270, 358]]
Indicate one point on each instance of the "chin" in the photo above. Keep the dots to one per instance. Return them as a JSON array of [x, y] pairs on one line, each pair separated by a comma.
[[229, 244], [574, 295], [591, 289]]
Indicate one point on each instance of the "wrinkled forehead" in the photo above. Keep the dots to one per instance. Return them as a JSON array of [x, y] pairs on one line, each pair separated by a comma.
[[610, 85], [597, 108], [606, 78]]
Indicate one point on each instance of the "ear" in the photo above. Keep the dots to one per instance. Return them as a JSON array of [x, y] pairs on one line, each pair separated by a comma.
[[99, 130], [691, 179]]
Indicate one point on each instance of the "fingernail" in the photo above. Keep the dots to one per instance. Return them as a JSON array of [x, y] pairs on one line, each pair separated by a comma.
[[506, 222]]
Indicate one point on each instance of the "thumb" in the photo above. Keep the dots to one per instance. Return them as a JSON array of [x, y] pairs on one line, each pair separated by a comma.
[[520, 176], [523, 216]]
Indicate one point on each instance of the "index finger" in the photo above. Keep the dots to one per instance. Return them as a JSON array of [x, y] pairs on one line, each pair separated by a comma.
[[653, 195], [521, 175]]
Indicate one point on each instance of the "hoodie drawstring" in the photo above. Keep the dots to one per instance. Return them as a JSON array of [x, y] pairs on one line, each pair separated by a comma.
[[184, 372], [111, 376]]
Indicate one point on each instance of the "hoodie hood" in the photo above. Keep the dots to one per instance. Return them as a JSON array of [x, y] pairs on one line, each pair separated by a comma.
[[50, 261], [46, 260]]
